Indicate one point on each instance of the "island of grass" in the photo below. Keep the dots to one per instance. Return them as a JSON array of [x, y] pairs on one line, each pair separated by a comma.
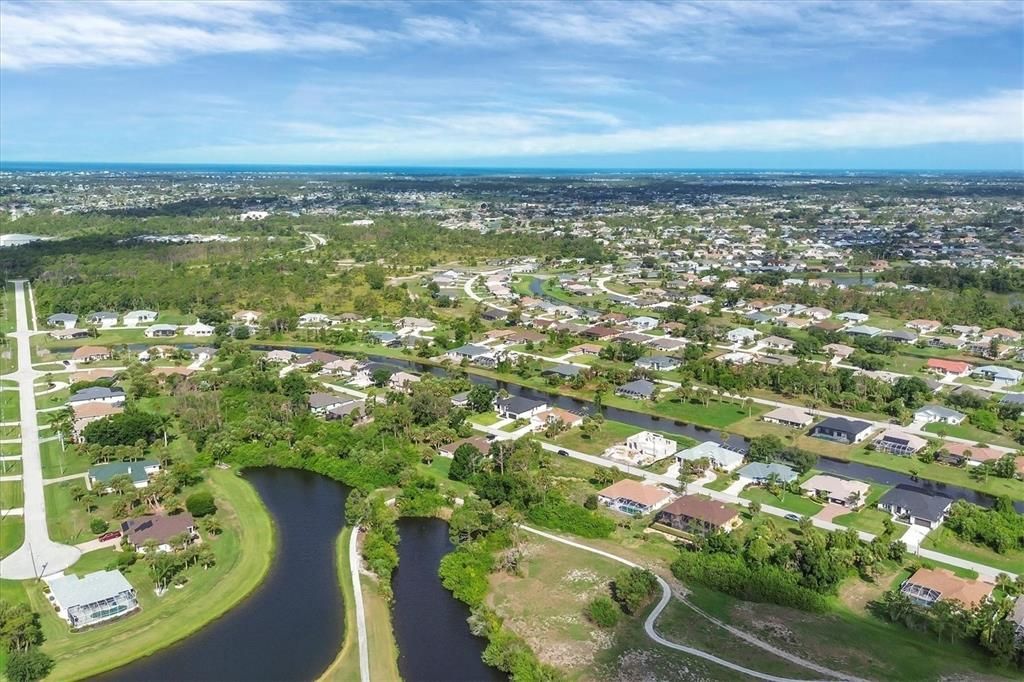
[[243, 556], [944, 540]]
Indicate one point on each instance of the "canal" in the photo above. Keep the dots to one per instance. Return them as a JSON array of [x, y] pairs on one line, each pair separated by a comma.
[[434, 640], [292, 626]]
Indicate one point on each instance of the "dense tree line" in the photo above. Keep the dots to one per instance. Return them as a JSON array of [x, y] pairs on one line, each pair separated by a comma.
[[1000, 528]]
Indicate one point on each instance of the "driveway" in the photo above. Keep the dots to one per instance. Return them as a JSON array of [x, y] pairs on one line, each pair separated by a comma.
[[915, 536], [737, 486], [830, 511]]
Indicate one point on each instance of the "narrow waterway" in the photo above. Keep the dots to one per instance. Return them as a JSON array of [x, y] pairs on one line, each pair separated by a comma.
[[292, 626], [434, 640]]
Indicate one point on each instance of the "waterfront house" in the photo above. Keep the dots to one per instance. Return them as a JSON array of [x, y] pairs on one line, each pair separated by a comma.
[[160, 528], [915, 506], [92, 599], [842, 491], [899, 442], [842, 430], [793, 417], [640, 389]]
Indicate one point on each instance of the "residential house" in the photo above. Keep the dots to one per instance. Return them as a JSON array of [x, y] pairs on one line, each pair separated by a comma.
[[899, 442], [657, 363], [517, 407], [930, 585], [384, 338], [92, 599], [1017, 618], [555, 414], [349, 407], [642, 322], [794, 417], [778, 343], [101, 475], [586, 349], [598, 332], [414, 324], [863, 330], [137, 317], [899, 336], [315, 320], [699, 515], [469, 352], [494, 315], [198, 329], [720, 457], [955, 342], [938, 414], [160, 330], [640, 389], [402, 381], [103, 318], [633, 497], [741, 335], [915, 506], [760, 472], [321, 403], [954, 368], [249, 318], [160, 528], [97, 394], [90, 354], [842, 430], [1000, 375], [63, 320], [924, 326], [460, 399], [1001, 334], [841, 491], [478, 442], [87, 413], [852, 317], [68, 334], [839, 350], [281, 356], [561, 369], [651, 445]]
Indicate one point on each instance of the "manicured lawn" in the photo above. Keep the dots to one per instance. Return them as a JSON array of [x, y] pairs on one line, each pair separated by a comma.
[[243, 552], [66, 519], [944, 540], [58, 463], [12, 494], [9, 411], [971, 433], [869, 519], [12, 534], [791, 502], [720, 483], [942, 473], [716, 415], [438, 470], [10, 467], [485, 419]]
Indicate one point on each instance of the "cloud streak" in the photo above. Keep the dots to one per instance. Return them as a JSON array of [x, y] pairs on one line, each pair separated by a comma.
[[992, 119]]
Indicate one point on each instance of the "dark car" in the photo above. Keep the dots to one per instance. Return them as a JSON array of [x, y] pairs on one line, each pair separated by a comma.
[[110, 536]]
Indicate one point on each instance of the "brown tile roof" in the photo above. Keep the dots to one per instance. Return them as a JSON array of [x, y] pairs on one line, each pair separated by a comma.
[[647, 495], [970, 593], [89, 351], [159, 527], [90, 410], [703, 509], [479, 442]]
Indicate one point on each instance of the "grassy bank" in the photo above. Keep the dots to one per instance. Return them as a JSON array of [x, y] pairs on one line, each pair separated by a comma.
[[944, 540], [244, 553]]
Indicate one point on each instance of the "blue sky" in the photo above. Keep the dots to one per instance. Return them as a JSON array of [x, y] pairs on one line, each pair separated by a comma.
[[639, 83]]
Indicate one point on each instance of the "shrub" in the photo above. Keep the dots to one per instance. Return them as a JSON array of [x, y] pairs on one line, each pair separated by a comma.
[[98, 526], [590, 502], [571, 518], [730, 574], [28, 666], [633, 588], [603, 612], [201, 504]]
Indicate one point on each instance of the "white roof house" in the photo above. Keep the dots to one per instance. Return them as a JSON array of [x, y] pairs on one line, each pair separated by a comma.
[[95, 598], [137, 317], [721, 457], [741, 334], [198, 329]]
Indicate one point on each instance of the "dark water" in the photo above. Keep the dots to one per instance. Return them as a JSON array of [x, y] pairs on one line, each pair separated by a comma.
[[292, 626], [434, 640]]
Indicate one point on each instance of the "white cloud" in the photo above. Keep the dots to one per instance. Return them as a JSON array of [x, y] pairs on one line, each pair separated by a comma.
[[994, 119]]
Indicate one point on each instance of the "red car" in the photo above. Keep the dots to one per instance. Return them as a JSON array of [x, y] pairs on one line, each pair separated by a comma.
[[110, 536]]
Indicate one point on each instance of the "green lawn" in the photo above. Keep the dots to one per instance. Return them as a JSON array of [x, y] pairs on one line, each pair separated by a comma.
[[58, 463], [971, 433], [243, 552], [485, 419], [790, 501], [944, 540], [720, 483], [716, 415], [12, 534], [610, 433], [12, 494], [9, 411], [870, 520], [943, 473]]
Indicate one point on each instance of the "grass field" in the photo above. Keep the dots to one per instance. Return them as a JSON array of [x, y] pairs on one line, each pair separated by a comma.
[[12, 494], [971, 433], [58, 463], [485, 419], [610, 433], [12, 534], [944, 540], [848, 641], [720, 483], [9, 410], [789, 501], [244, 552], [942, 473]]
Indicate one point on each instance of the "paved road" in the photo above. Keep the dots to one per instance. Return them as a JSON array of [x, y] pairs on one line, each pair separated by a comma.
[[666, 597], [357, 590], [38, 554]]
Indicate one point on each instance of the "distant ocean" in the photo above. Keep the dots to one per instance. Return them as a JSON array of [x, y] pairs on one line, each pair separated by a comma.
[[449, 171]]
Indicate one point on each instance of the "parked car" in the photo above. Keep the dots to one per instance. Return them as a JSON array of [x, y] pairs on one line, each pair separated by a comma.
[[110, 536], [794, 517]]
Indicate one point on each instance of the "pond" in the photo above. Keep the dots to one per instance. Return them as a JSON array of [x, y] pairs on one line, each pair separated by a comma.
[[292, 626], [433, 637]]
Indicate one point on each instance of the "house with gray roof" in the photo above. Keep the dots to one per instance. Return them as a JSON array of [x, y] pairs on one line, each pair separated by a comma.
[[721, 457], [760, 472], [641, 389], [97, 394], [65, 320], [93, 598], [915, 506], [938, 414], [657, 363]]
